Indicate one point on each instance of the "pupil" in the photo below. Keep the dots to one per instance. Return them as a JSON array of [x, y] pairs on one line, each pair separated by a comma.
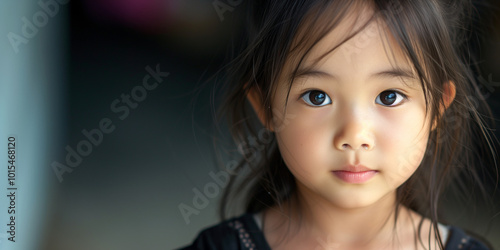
[[388, 98], [317, 97]]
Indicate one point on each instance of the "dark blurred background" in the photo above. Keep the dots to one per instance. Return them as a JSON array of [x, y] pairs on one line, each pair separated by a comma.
[[126, 193]]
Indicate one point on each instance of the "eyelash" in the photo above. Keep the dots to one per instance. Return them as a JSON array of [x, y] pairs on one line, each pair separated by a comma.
[[400, 96], [403, 97], [306, 93]]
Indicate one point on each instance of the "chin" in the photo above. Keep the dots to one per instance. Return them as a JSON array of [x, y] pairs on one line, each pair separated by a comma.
[[353, 203], [356, 201]]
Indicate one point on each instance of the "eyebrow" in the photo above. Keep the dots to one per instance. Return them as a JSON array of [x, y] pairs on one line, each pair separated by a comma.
[[311, 72], [389, 73], [395, 72]]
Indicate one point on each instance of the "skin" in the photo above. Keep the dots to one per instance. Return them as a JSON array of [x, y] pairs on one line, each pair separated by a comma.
[[354, 129]]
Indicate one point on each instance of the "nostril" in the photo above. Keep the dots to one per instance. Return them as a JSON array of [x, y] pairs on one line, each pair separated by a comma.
[[348, 146]]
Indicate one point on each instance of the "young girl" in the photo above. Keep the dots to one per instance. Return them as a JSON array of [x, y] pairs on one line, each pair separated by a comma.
[[369, 111]]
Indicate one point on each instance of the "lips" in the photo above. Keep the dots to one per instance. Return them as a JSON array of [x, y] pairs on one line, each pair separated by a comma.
[[355, 174]]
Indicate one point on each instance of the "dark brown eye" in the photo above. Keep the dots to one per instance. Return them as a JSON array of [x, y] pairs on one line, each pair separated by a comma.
[[390, 98], [316, 98]]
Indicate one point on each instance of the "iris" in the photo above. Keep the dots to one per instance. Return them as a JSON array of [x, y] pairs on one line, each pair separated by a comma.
[[388, 97]]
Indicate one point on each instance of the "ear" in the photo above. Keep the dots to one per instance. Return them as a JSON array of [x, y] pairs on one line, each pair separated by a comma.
[[449, 92], [256, 100]]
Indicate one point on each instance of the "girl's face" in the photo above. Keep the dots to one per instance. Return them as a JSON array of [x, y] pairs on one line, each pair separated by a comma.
[[359, 127]]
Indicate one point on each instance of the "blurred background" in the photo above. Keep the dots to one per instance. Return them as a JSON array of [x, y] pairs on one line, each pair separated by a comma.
[[69, 68]]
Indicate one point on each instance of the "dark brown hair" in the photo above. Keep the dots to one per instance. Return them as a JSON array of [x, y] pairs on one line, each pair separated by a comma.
[[433, 36]]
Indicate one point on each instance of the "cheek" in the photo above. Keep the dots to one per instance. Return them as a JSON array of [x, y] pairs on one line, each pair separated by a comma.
[[303, 143], [404, 143]]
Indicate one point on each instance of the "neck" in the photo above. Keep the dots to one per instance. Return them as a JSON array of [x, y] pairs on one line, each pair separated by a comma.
[[349, 225], [317, 220]]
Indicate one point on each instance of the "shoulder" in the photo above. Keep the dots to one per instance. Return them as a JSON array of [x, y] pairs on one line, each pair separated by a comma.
[[458, 239], [236, 233], [452, 237]]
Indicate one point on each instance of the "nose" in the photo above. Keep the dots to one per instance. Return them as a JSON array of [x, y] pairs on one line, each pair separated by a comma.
[[354, 132]]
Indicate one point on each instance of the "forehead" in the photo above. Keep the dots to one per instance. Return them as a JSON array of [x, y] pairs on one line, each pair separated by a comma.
[[360, 40]]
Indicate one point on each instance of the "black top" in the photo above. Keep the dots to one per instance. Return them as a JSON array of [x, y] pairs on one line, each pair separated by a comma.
[[243, 233]]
